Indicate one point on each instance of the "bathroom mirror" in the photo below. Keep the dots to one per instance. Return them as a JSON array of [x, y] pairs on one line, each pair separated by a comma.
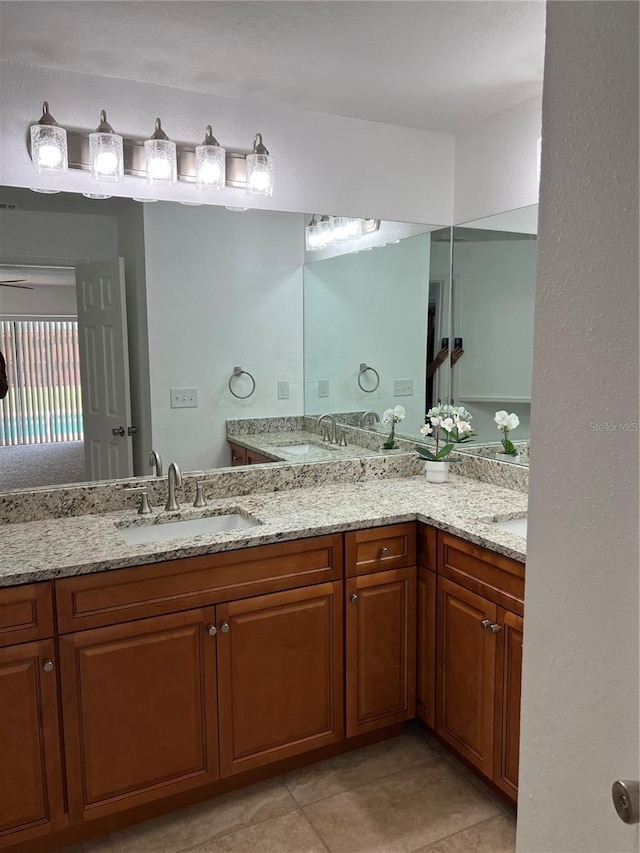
[[207, 289]]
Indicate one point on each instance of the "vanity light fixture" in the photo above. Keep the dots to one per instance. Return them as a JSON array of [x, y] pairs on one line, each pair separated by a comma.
[[330, 230], [48, 144], [259, 169], [210, 163], [96, 195], [160, 158], [144, 200], [105, 152], [43, 191]]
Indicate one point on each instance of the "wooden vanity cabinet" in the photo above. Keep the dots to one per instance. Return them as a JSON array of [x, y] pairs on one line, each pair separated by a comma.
[[426, 629], [380, 636], [238, 454], [31, 781]]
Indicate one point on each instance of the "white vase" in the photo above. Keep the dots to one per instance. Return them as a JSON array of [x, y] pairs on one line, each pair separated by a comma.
[[436, 472]]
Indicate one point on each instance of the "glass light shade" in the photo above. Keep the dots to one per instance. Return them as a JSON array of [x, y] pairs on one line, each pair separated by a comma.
[[260, 174], [49, 148], [210, 167], [160, 159], [106, 156]]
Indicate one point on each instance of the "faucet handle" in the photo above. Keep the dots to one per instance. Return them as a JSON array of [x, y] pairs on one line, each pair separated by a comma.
[[342, 438], [325, 432], [201, 500], [144, 507]]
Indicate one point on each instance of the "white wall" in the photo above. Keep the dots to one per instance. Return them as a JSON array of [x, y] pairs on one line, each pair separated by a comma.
[[62, 239], [324, 163], [223, 289], [58, 301], [368, 307], [580, 706], [496, 163]]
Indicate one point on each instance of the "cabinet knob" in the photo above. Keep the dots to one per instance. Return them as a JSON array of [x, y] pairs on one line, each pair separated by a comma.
[[485, 624], [384, 551], [354, 598], [225, 627], [494, 628], [212, 630], [48, 666]]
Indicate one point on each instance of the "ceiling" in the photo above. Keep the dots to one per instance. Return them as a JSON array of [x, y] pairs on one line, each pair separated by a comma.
[[435, 64]]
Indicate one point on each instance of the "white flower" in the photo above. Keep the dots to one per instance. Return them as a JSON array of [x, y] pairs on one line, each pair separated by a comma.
[[436, 422], [426, 430], [448, 424], [399, 413], [386, 417], [463, 427], [501, 418], [513, 421]]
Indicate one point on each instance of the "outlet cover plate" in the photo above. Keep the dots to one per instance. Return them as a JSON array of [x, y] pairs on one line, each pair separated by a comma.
[[283, 389], [184, 398], [403, 387], [323, 387]]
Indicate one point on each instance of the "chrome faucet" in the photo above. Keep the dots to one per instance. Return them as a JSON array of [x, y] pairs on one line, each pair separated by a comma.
[[155, 461], [332, 435], [374, 416], [174, 478]]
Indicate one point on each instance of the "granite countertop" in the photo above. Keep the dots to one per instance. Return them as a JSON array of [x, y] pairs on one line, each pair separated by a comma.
[[54, 548], [272, 444]]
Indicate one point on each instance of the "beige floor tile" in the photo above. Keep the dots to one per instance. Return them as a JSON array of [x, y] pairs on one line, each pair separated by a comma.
[[400, 813], [290, 833], [357, 768], [496, 835], [98, 845], [188, 827]]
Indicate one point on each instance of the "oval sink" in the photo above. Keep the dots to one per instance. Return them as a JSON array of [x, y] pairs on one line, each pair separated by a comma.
[[517, 526], [185, 528]]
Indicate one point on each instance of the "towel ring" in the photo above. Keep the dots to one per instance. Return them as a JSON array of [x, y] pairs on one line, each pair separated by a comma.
[[363, 369], [238, 371]]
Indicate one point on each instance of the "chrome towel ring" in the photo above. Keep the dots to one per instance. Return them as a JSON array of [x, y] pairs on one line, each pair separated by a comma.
[[238, 371], [363, 369]]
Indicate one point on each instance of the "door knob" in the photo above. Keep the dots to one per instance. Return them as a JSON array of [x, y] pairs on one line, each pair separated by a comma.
[[626, 799], [354, 598], [118, 431], [225, 627]]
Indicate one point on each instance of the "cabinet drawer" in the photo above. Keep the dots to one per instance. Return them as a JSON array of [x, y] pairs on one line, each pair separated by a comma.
[[91, 601], [26, 613], [484, 572], [379, 549]]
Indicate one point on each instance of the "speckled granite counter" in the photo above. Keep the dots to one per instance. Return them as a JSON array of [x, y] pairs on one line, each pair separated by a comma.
[[52, 548], [298, 446]]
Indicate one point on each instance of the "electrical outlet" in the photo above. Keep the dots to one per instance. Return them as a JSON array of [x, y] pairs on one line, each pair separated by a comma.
[[184, 398], [283, 390], [323, 387], [403, 387]]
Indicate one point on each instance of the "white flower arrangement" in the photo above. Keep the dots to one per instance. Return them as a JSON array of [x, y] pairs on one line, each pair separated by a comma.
[[505, 423], [449, 424], [393, 417]]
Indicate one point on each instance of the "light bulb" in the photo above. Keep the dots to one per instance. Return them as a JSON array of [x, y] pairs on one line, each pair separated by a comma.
[[160, 157], [105, 152], [48, 144], [210, 163], [260, 171]]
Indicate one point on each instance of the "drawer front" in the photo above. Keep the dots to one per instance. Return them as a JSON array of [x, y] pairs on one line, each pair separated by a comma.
[[380, 549], [427, 547], [91, 601], [484, 572], [26, 613]]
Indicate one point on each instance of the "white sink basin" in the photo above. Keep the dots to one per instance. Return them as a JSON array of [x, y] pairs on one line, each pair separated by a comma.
[[517, 526], [185, 528], [303, 449]]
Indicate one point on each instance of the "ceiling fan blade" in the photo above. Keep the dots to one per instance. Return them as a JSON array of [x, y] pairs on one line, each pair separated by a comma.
[[11, 280], [19, 286]]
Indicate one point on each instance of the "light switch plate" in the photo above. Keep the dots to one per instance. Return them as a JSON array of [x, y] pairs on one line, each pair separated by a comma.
[[283, 389], [403, 387], [184, 398], [323, 387]]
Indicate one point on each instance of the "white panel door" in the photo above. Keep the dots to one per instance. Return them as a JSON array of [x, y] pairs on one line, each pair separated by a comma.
[[104, 369]]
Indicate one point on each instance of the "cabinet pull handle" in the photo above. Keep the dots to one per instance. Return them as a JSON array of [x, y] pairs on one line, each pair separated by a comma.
[[225, 628], [354, 598], [48, 666], [212, 630], [485, 624], [384, 551], [494, 628]]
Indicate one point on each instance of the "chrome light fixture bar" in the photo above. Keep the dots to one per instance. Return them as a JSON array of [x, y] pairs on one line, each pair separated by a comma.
[[53, 149], [328, 231]]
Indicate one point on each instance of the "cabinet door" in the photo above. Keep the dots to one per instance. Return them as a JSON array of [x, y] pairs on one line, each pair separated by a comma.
[[466, 673], [139, 711], [381, 649], [508, 679], [31, 799], [280, 675], [426, 682]]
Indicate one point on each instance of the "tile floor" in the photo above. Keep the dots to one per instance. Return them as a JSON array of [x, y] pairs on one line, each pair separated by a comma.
[[405, 795]]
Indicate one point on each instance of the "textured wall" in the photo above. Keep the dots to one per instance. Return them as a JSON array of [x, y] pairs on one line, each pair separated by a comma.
[[580, 711]]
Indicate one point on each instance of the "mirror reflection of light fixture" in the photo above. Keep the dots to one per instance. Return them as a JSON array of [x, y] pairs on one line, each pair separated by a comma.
[[105, 152], [259, 169], [330, 230], [48, 144], [160, 158], [210, 163]]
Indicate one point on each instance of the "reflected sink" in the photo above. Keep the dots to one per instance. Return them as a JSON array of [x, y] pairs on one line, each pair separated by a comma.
[[517, 526], [303, 449], [185, 527]]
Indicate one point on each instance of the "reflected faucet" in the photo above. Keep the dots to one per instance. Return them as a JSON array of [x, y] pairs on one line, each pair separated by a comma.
[[373, 416], [155, 461], [174, 478], [332, 420]]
